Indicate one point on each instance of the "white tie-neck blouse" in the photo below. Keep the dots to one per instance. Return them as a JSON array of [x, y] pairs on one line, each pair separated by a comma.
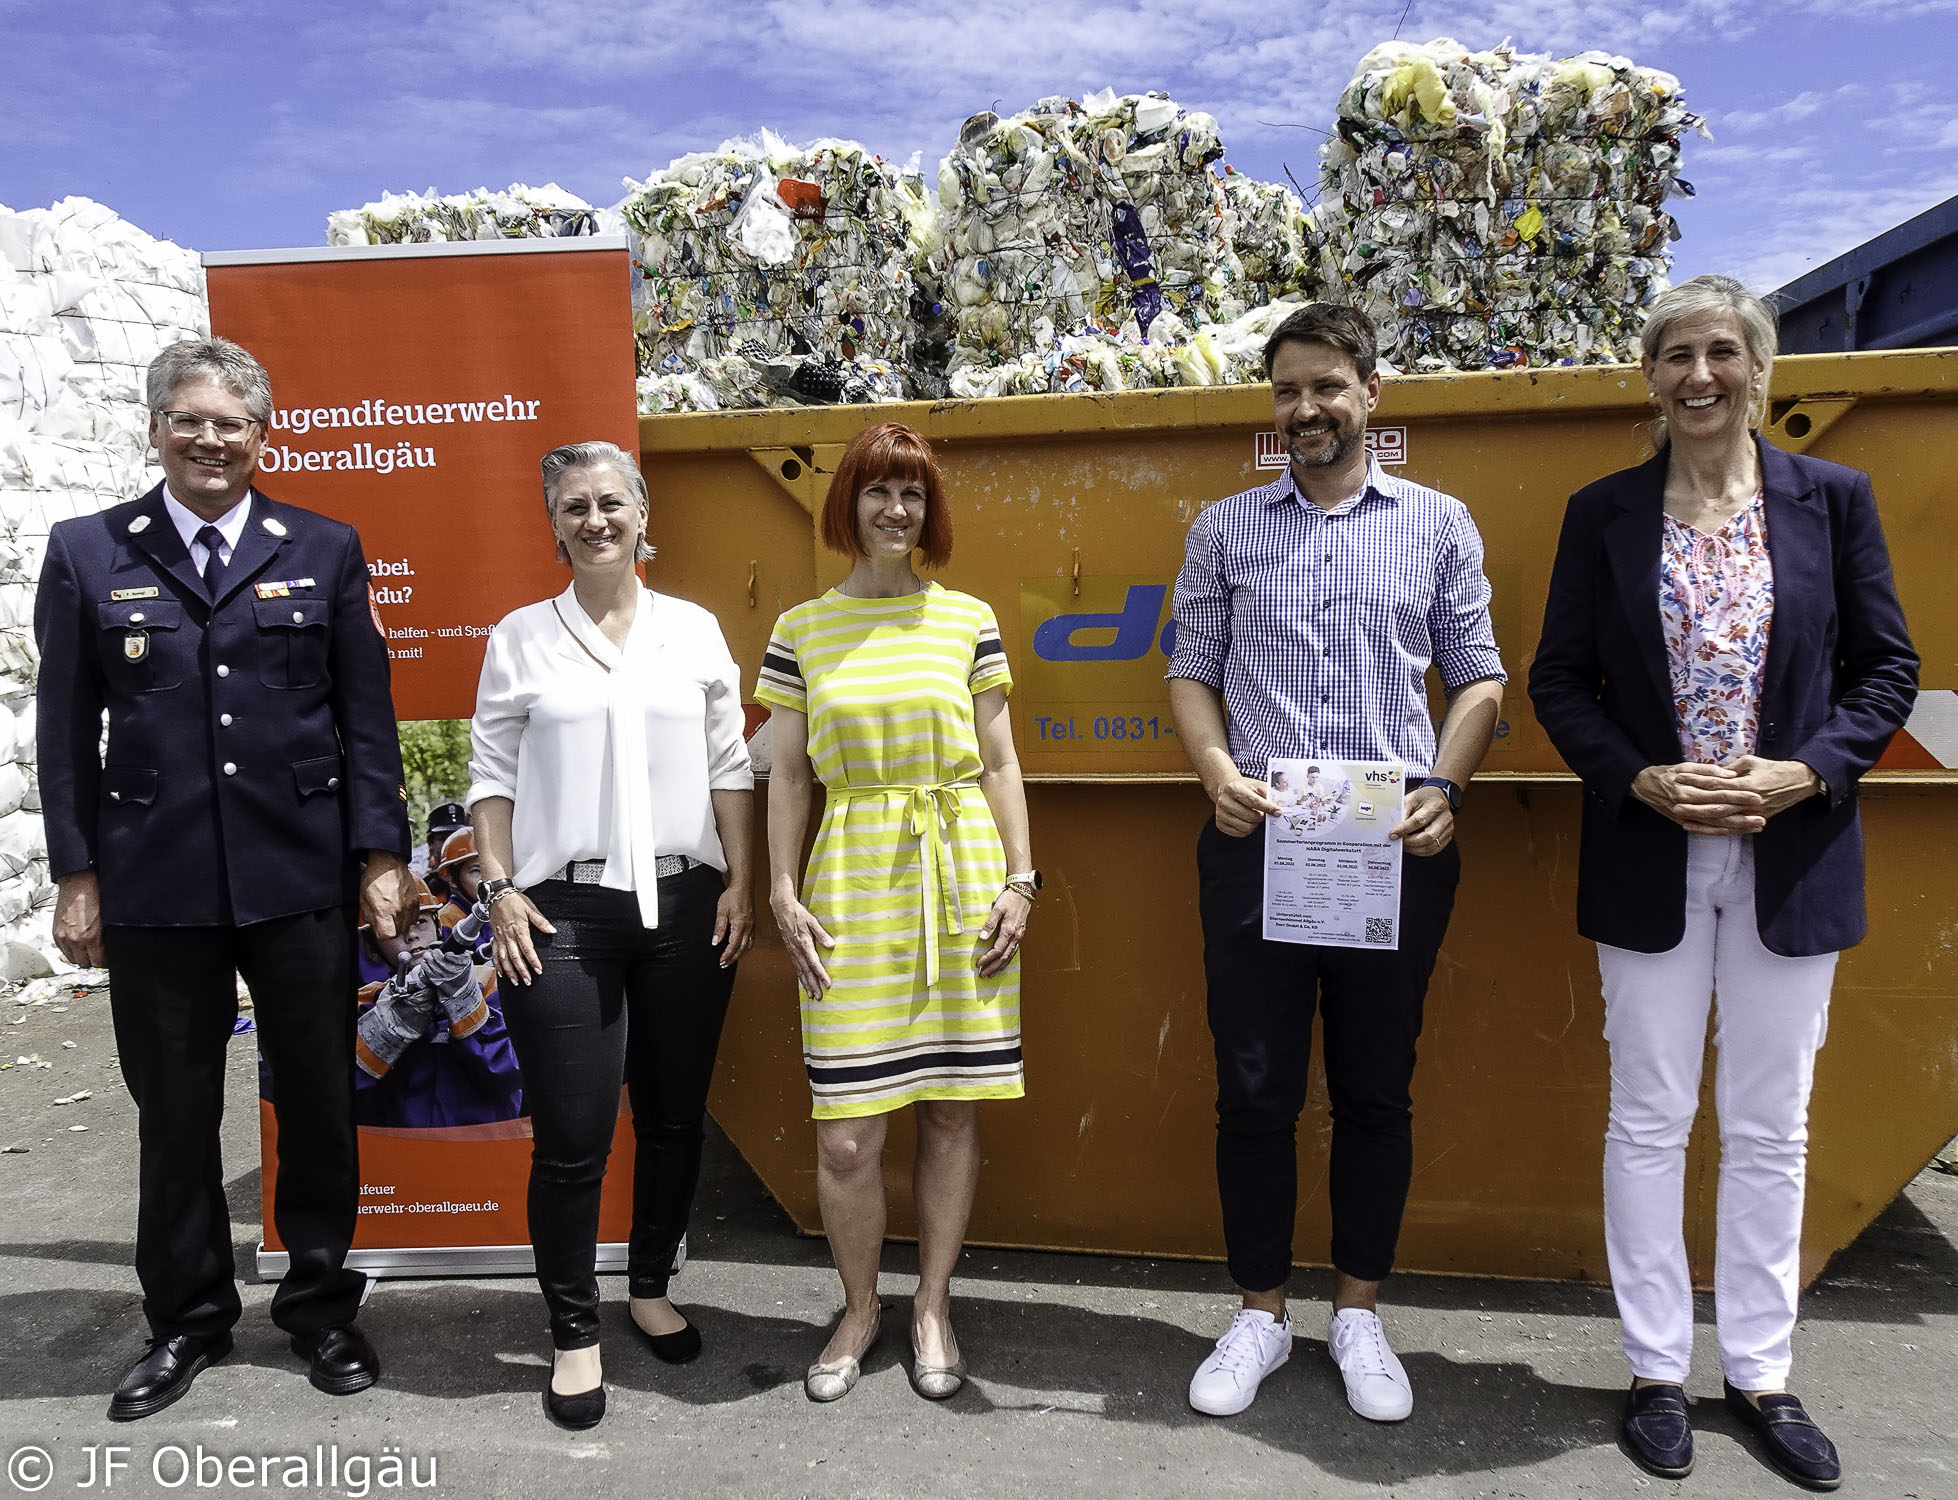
[[609, 754]]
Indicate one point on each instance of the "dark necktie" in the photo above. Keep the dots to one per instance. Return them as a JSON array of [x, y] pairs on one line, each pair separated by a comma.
[[212, 539]]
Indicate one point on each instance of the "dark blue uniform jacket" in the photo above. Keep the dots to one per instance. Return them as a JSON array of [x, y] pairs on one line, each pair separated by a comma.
[[251, 742]]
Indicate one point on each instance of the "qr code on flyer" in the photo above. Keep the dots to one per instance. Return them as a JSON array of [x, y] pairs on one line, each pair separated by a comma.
[[1380, 931]]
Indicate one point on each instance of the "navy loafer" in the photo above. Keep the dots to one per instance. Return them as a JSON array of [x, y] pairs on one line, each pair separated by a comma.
[[1789, 1438], [1656, 1431]]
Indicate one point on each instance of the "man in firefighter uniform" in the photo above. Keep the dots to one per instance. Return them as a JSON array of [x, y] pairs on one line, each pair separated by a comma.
[[250, 795]]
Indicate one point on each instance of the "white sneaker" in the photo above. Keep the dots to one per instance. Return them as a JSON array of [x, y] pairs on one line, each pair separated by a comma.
[[1376, 1385], [1252, 1347]]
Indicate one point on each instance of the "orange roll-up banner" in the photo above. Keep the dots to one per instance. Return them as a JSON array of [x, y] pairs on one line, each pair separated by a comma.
[[415, 388]]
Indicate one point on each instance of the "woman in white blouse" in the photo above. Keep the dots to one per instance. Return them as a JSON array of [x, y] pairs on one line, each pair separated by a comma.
[[612, 799]]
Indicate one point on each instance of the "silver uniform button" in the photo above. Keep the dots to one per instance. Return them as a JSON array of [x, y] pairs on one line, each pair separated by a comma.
[[332, 782], [298, 617], [115, 796], [136, 617], [225, 720], [230, 769], [224, 671]]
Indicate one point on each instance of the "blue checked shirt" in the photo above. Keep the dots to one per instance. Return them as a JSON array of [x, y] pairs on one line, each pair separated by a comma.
[[1318, 626]]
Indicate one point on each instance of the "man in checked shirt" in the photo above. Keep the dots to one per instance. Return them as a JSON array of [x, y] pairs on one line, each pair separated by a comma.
[[1307, 614]]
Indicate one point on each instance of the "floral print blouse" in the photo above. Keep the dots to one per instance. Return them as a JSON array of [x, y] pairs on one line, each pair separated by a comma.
[[1716, 604]]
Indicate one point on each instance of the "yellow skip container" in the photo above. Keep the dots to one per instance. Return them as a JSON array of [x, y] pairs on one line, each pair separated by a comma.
[[1071, 512]]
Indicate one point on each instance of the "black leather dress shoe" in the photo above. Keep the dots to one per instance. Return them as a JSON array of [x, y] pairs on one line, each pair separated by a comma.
[[340, 1359], [1789, 1438], [164, 1373], [1656, 1431]]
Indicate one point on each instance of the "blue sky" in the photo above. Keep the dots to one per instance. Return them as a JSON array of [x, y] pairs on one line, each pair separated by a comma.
[[230, 126]]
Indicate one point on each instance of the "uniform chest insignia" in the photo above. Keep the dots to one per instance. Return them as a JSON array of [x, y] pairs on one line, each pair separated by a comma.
[[118, 596], [136, 645], [276, 527], [140, 525]]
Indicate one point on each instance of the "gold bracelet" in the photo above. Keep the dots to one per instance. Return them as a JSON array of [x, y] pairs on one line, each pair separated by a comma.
[[1024, 888]]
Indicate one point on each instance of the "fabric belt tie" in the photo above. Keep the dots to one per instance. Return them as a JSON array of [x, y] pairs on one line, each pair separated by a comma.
[[929, 812]]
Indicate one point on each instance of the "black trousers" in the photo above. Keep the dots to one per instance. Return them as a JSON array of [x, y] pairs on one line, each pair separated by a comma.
[[616, 1000], [1261, 1000], [173, 995]]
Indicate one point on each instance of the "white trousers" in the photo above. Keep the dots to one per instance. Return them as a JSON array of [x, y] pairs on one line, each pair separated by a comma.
[[1769, 1020]]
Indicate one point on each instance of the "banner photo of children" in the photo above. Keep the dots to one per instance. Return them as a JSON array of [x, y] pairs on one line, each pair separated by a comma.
[[430, 1048]]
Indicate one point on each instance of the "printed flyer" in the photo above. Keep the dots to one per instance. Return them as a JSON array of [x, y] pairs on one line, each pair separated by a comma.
[[1332, 875]]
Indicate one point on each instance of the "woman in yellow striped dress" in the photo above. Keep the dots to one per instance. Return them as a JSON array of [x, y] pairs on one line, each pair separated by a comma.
[[906, 932]]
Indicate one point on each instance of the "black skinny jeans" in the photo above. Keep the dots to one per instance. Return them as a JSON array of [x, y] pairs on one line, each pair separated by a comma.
[[1262, 996], [616, 1001]]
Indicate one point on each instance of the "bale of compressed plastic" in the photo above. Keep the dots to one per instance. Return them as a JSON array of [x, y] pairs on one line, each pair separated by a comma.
[[1090, 240], [519, 212], [87, 300], [773, 274], [1095, 359], [1501, 208]]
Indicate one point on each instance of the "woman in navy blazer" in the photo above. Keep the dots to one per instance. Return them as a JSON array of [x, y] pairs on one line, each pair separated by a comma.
[[1723, 656]]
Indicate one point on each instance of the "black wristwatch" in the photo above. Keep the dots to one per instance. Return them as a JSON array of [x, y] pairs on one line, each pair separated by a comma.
[[1447, 789], [491, 889]]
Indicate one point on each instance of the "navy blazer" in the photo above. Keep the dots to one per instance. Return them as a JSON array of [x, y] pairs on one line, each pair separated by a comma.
[[1840, 679], [252, 749]]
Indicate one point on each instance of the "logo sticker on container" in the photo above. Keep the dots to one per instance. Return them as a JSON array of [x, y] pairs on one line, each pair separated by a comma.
[[1388, 444]]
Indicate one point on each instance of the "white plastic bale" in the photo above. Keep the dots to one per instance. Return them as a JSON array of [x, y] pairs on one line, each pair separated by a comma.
[[87, 300], [20, 708], [1502, 208], [518, 212], [26, 302], [773, 274], [1091, 245], [13, 787], [16, 611], [22, 840]]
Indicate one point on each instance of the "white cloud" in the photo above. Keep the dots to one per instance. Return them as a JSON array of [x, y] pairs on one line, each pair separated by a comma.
[[1798, 107]]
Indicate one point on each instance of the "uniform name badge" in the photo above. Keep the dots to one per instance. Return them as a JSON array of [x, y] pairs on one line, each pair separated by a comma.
[[136, 645], [1332, 875]]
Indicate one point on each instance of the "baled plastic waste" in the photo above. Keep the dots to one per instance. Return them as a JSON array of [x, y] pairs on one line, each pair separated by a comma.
[[1501, 208]]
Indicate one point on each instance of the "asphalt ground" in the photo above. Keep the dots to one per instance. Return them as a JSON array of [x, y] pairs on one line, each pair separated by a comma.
[[1080, 1363]]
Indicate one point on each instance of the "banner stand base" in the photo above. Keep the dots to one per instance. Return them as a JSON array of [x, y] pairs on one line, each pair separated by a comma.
[[440, 1260]]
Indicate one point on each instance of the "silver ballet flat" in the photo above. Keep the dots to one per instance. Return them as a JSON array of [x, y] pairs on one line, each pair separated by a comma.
[[835, 1380], [937, 1382]]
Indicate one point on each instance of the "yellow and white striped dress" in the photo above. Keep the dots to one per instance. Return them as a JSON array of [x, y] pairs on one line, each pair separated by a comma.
[[908, 860]]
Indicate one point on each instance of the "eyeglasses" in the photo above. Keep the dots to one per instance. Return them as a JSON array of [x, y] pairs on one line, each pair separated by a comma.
[[188, 424]]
